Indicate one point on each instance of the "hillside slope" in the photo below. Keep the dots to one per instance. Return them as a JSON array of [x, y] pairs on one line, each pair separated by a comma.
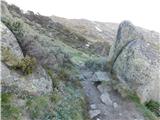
[[57, 69]]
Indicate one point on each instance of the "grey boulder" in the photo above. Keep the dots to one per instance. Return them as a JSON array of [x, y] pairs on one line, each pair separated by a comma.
[[135, 61]]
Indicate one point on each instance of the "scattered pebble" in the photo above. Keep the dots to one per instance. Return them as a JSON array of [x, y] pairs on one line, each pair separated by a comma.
[[115, 105], [120, 114], [94, 113], [93, 106]]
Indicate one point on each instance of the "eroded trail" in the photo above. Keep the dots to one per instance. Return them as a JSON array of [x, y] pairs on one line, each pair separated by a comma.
[[107, 104]]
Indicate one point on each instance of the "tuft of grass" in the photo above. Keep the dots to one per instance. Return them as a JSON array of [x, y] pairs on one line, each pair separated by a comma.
[[133, 96], [15, 26], [55, 97], [55, 81], [148, 113], [8, 57], [64, 74], [73, 106], [9, 111], [6, 98], [153, 106], [37, 106], [26, 65], [125, 92]]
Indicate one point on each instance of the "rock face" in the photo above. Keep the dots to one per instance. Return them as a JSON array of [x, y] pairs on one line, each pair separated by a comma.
[[37, 83], [135, 60], [9, 40]]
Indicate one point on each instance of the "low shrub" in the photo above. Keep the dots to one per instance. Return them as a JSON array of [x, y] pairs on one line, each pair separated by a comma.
[[8, 57], [37, 107], [153, 106], [55, 97], [26, 65], [55, 81], [64, 74], [15, 26]]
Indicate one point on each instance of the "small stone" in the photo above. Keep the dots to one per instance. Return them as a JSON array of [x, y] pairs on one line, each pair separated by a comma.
[[94, 113], [115, 105], [98, 119], [100, 76], [93, 106], [106, 99], [99, 87], [120, 114], [103, 88]]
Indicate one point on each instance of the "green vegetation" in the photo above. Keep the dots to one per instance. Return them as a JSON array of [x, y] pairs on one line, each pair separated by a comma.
[[125, 92], [147, 112], [133, 96], [55, 97], [153, 106], [73, 106], [64, 74], [39, 107], [9, 111], [53, 76], [95, 64], [67, 104], [15, 26], [26, 65], [8, 57]]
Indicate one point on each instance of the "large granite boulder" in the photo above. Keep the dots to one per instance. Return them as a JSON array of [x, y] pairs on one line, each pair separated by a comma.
[[8, 40], [135, 61], [39, 82]]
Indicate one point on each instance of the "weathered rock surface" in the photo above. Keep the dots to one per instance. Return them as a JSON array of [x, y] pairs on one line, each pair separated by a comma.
[[93, 106], [94, 113], [100, 76], [8, 40], [106, 99], [97, 76], [135, 60], [38, 82]]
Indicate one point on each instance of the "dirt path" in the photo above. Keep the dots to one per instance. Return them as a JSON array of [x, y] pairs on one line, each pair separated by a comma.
[[107, 104]]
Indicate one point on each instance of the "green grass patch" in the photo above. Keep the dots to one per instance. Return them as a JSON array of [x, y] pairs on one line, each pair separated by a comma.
[[73, 106], [38, 107], [153, 106], [16, 26], [148, 109], [9, 111]]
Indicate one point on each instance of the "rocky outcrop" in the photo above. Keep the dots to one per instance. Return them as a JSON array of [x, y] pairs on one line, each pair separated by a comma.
[[135, 61], [9, 40], [36, 83]]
